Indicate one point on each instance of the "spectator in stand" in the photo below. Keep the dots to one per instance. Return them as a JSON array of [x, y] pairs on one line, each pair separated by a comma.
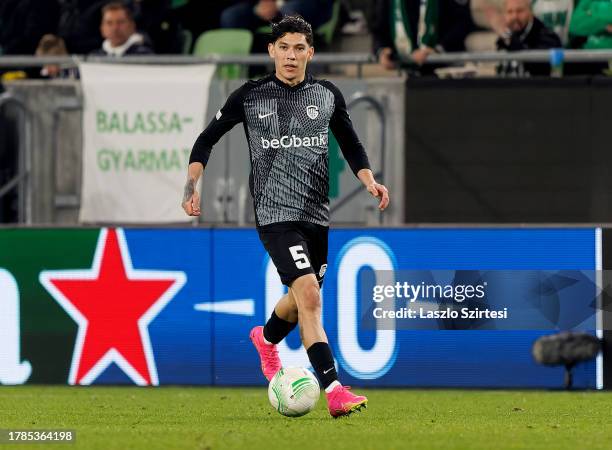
[[52, 45], [444, 25], [590, 28], [254, 14], [592, 20], [523, 31], [556, 15], [119, 32]]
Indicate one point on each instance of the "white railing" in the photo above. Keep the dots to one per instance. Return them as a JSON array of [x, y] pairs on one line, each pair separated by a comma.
[[321, 58]]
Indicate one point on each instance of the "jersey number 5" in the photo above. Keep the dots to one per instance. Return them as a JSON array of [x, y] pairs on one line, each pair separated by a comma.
[[300, 258]]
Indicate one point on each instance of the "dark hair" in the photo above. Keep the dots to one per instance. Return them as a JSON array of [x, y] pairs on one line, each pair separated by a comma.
[[117, 6], [292, 24]]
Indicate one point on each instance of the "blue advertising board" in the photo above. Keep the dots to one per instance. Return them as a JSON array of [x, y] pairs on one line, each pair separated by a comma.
[[223, 284], [402, 357]]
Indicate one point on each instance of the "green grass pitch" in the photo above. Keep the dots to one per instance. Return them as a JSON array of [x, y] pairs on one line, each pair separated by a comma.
[[241, 418]]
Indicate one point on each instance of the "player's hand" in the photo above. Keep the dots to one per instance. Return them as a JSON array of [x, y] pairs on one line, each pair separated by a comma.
[[379, 191], [191, 199]]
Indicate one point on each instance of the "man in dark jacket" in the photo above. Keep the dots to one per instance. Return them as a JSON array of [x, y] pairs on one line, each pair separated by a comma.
[[524, 31], [119, 32], [398, 36]]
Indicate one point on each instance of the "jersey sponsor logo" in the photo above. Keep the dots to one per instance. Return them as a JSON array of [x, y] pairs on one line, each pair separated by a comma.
[[312, 111], [295, 141], [218, 115], [263, 116]]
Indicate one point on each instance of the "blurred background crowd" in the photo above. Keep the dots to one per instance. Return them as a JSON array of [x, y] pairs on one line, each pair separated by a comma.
[[401, 33]]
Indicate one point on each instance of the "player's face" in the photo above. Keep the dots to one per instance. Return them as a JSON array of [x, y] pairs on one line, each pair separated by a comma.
[[291, 54]]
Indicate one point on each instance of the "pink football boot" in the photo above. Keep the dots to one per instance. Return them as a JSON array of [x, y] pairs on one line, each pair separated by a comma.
[[342, 402], [270, 362]]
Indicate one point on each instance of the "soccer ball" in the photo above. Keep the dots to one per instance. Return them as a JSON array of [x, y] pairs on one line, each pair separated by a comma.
[[294, 391]]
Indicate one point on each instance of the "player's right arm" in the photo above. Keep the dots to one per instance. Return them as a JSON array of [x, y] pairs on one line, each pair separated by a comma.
[[225, 119], [191, 197]]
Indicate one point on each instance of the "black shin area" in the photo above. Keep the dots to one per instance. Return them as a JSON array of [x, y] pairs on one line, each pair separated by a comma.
[[276, 329], [322, 361]]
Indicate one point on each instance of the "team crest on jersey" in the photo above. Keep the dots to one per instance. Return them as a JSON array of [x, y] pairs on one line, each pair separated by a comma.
[[312, 111]]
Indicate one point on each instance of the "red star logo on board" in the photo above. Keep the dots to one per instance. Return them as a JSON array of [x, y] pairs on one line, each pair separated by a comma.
[[113, 305]]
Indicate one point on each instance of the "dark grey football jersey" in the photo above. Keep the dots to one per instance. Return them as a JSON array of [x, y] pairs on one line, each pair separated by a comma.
[[287, 132]]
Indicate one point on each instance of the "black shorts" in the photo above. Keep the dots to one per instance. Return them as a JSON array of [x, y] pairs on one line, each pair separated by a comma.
[[296, 248]]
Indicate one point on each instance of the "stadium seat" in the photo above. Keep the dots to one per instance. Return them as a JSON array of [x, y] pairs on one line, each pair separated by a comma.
[[225, 42], [266, 29], [174, 4]]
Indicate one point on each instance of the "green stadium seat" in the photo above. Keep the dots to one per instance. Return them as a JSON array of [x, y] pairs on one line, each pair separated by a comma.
[[225, 42], [266, 29], [178, 3]]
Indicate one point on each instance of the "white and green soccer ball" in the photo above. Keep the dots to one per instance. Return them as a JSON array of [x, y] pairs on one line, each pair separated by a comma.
[[294, 391]]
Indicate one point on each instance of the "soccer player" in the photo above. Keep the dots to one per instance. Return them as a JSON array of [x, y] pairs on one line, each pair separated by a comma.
[[286, 117]]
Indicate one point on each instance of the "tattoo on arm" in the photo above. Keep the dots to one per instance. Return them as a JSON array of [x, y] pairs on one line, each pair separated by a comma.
[[189, 190]]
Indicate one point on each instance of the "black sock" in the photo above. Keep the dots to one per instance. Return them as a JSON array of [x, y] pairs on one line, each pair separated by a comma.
[[322, 361], [276, 329]]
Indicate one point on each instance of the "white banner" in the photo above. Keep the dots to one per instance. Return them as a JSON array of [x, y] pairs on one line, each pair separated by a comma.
[[139, 125]]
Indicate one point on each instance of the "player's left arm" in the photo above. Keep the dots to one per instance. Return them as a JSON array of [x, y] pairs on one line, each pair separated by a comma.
[[352, 148], [377, 190]]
